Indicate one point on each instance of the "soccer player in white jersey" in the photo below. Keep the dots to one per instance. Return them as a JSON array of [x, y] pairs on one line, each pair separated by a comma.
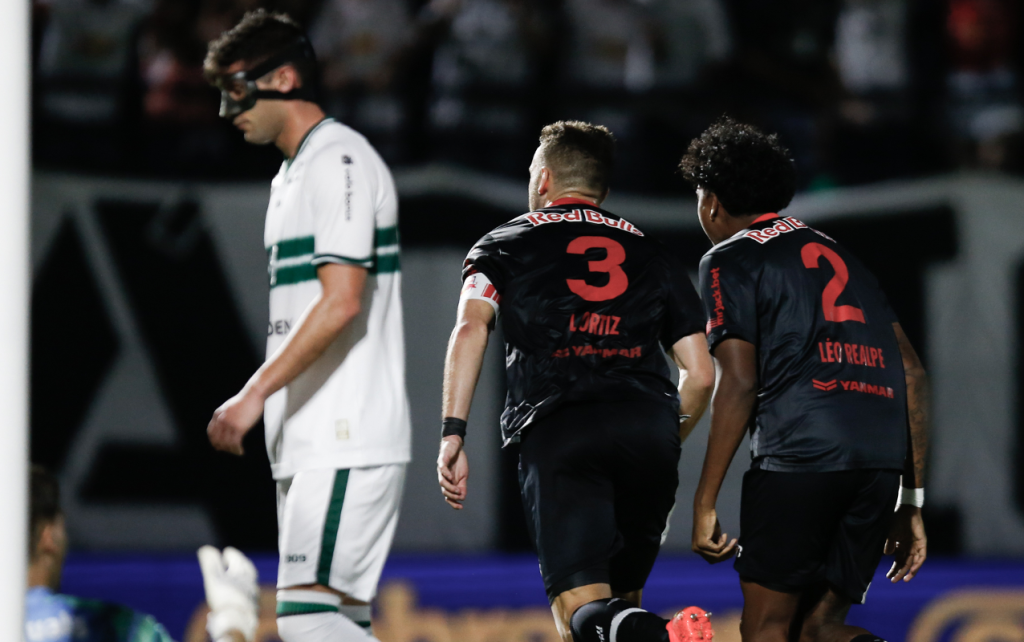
[[332, 390]]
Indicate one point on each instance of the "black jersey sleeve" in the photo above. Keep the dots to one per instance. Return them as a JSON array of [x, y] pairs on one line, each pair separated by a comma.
[[685, 316], [485, 258], [889, 312], [729, 296]]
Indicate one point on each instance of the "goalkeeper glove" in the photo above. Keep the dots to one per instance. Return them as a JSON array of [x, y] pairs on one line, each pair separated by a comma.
[[231, 591]]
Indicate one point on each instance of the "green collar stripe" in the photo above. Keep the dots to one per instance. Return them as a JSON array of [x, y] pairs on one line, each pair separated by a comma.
[[294, 274], [386, 236], [305, 139], [386, 263], [331, 525], [290, 248], [302, 608]]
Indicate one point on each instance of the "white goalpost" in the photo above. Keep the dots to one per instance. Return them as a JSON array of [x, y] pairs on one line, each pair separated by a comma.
[[14, 316]]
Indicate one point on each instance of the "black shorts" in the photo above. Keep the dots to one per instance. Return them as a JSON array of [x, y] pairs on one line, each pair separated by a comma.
[[800, 531], [598, 482]]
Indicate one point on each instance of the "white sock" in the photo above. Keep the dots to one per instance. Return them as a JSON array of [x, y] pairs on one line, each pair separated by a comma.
[[315, 616]]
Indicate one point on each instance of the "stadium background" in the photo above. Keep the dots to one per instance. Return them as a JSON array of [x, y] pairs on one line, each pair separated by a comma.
[[149, 275]]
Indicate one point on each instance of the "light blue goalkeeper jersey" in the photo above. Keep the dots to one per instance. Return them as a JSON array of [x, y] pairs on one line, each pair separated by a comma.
[[52, 617]]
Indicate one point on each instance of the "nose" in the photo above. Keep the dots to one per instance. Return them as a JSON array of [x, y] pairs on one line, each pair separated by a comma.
[[228, 107]]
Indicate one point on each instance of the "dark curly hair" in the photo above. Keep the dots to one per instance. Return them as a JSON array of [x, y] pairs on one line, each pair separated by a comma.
[[581, 154], [258, 36], [749, 171]]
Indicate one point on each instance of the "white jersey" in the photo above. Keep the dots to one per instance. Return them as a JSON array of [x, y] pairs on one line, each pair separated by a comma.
[[335, 202]]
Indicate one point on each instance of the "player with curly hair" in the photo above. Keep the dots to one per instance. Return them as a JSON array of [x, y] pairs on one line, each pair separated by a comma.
[[814, 361]]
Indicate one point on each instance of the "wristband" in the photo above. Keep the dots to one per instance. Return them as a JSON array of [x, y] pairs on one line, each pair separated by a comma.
[[910, 497], [453, 426], [683, 418]]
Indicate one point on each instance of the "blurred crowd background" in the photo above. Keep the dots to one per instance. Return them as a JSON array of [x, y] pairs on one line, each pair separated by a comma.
[[861, 90], [149, 294]]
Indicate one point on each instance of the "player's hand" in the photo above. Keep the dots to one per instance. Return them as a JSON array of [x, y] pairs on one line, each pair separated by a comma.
[[907, 542], [233, 420], [708, 539], [231, 592], [452, 471]]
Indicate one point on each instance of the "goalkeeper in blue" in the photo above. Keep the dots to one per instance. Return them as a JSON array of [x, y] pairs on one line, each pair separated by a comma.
[[229, 579]]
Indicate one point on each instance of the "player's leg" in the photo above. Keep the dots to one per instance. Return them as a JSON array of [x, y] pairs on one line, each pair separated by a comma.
[[853, 557], [825, 620], [568, 498], [633, 597], [337, 531], [308, 614], [613, 618], [309, 508], [646, 477], [767, 614], [568, 463], [788, 521]]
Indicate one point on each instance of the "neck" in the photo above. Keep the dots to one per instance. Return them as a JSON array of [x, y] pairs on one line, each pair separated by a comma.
[[730, 226], [40, 573], [571, 193], [743, 222], [304, 117]]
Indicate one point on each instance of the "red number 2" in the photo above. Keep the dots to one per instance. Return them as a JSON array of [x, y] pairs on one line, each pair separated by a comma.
[[811, 253], [611, 264]]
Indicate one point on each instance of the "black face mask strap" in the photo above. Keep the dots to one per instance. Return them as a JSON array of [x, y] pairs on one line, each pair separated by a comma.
[[299, 50], [299, 93]]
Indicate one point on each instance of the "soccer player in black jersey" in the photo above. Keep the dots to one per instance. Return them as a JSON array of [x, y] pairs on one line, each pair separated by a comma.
[[589, 305], [814, 362]]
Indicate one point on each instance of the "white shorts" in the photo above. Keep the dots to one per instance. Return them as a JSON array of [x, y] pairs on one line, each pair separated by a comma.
[[335, 527]]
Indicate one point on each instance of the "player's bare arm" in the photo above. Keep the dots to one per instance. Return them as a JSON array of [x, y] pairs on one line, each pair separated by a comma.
[[326, 318], [907, 538], [462, 366], [696, 379], [731, 408]]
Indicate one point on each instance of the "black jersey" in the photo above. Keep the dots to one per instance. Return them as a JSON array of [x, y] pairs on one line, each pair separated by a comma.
[[832, 390], [588, 307]]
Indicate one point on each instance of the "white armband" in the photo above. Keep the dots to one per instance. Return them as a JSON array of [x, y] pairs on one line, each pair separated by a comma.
[[478, 286], [910, 497]]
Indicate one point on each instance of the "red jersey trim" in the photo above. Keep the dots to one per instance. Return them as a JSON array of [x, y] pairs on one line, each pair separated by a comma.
[[764, 217], [571, 201]]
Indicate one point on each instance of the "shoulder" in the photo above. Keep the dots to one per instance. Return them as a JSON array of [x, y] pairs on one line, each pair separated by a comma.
[[502, 243], [507, 231], [40, 602], [737, 249], [484, 245], [336, 143], [48, 617]]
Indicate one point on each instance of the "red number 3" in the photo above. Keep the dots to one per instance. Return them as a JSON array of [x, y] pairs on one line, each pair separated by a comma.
[[811, 253], [611, 264]]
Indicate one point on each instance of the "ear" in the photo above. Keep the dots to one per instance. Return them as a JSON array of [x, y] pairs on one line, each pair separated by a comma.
[[544, 184], [283, 79], [714, 206]]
